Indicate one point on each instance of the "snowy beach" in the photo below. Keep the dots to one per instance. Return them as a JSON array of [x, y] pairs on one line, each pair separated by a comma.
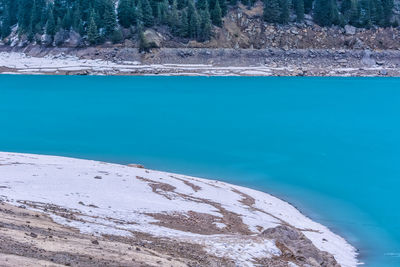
[[104, 199]]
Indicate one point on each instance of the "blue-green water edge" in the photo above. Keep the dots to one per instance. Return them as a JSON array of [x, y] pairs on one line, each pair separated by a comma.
[[330, 146]]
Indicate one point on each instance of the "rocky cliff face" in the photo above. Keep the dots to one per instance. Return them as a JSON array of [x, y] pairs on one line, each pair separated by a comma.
[[245, 28]]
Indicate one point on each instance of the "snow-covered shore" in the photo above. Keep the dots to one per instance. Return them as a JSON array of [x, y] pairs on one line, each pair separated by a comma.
[[69, 63], [110, 199]]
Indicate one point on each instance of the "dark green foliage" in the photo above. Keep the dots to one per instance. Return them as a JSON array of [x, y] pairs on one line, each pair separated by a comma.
[[365, 14], [193, 19], [387, 6], [5, 28], [216, 14], [147, 11], [100, 20], [110, 18], [183, 30], [308, 5], [125, 9], [272, 12], [51, 24], [205, 24], [326, 12], [93, 32], [299, 8], [284, 11]]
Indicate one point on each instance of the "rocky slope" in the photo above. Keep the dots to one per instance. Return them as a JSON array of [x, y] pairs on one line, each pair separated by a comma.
[[86, 213]]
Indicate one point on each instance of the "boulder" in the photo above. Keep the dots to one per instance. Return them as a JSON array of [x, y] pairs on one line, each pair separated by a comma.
[[46, 40], [153, 38], [367, 60], [350, 30], [74, 40], [295, 245], [60, 37]]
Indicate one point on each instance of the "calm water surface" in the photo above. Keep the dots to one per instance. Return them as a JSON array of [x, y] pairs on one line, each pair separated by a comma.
[[330, 146]]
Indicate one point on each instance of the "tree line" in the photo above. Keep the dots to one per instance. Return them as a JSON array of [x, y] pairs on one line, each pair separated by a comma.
[[99, 20]]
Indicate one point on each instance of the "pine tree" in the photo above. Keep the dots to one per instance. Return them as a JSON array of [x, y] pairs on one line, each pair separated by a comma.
[[173, 18], [201, 4], [92, 32], [24, 14], [182, 4], [67, 20], [365, 14], [164, 12], [139, 15], [224, 7], [284, 11], [205, 25], [193, 27], [5, 25], [299, 8], [124, 11], [216, 14], [308, 5], [345, 9], [184, 24], [354, 13], [51, 24], [148, 19], [110, 18], [376, 12], [272, 12], [323, 12], [387, 12]]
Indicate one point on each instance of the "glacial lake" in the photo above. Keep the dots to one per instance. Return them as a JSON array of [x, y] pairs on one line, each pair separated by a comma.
[[329, 146]]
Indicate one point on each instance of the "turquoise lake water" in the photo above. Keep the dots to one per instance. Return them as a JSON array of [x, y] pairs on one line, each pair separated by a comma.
[[330, 146]]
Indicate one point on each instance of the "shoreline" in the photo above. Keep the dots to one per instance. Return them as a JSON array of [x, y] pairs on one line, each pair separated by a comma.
[[239, 215], [200, 62]]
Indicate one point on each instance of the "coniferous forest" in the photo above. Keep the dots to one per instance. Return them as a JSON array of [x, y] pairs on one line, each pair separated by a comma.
[[101, 20]]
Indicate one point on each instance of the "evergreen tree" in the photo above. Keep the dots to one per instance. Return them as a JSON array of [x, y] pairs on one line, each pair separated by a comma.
[[387, 12], [164, 12], [139, 15], [6, 25], [345, 9], [148, 19], [224, 7], [92, 32], [184, 24], [308, 5], [299, 10], [67, 20], [124, 12], [202, 4], [272, 12], [354, 13], [216, 14], [365, 15], [173, 18], [205, 25], [284, 11], [323, 12], [110, 18], [376, 12], [24, 14], [193, 27], [51, 24]]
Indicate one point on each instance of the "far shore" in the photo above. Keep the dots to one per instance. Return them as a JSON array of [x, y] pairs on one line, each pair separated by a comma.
[[198, 62]]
